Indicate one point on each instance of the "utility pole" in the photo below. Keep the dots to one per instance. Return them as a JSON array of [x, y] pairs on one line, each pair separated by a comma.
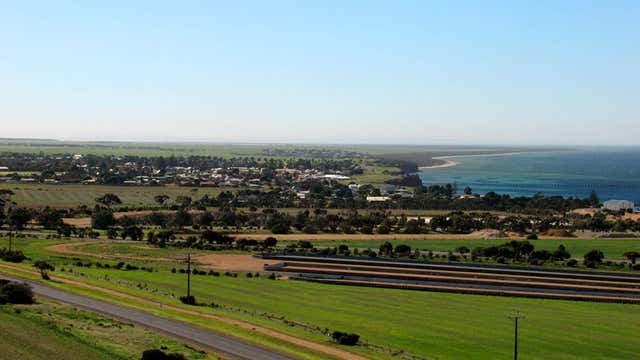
[[516, 316], [188, 275]]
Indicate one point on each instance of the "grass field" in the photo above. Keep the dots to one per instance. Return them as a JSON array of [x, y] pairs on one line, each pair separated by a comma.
[[425, 324], [612, 248], [51, 331], [75, 195]]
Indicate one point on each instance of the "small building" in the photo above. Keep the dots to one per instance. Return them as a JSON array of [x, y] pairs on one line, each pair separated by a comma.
[[378, 198], [619, 205], [4, 168]]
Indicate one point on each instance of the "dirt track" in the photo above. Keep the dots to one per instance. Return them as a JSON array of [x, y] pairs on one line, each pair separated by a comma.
[[224, 262]]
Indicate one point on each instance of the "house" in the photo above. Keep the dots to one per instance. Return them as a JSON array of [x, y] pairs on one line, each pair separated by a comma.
[[618, 205], [335, 177], [378, 198]]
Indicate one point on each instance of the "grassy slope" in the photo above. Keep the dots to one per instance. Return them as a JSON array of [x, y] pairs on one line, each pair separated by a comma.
[[53, 331], [612, 248], [427, 324]]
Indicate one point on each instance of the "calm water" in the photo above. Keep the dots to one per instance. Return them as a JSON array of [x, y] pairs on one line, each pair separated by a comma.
[[612, 173]]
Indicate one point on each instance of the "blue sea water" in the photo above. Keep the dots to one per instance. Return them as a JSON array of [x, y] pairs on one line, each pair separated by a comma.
[[614, 173]]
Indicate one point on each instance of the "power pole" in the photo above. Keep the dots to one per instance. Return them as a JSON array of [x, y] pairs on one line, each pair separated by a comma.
[[516, 316], [188, 274]]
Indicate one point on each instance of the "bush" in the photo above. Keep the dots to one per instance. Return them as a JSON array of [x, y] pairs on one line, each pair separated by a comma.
[[43, 267], [189, 300], [572, 263], [156, 354], [15, 293], [345, 338], [532, 237], [14, 256]]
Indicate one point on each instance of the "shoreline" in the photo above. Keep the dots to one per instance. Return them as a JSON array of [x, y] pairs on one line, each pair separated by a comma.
[[447, 163], [450, 163]]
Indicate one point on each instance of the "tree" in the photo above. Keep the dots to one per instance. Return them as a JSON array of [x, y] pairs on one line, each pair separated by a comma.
[[270, 242], [18, 218], [593, 257], [161, 199], [632, 256], [134, 232], [281, 227], [383, 229], [43, 267], [403, 249], [182, 218], [462, 250], [184, 201], [102, 218], [386, 248], [109, 200], [468, 191], [561, 253], [594, 200], [49, 218]]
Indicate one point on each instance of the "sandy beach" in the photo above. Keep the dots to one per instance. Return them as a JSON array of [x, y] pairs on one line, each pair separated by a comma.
[[447, 163], [450, 163]]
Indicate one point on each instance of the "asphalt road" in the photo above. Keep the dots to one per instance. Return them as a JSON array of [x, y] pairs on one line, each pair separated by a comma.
[[226, 346]]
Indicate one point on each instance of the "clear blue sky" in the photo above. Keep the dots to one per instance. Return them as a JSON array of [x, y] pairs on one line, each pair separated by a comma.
[[508, 72]]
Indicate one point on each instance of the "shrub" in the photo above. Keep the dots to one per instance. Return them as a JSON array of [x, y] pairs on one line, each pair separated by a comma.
[[343, 338], [15, 256], [43, 267], [15, 293], [155, 354], [532, 237], [572, 263], [189, 300]]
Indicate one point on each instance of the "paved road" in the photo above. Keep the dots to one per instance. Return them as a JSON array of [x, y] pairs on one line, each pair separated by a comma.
[[217, 343]]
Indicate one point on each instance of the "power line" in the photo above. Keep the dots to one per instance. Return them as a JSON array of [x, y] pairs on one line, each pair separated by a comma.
[[515, 316]]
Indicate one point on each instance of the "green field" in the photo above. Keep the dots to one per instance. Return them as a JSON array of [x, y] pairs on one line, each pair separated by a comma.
[[76, 195], [612, 248], [50, 331], [424, 324]]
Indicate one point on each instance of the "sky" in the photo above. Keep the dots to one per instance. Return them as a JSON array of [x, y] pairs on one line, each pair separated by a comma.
[[398, 72]]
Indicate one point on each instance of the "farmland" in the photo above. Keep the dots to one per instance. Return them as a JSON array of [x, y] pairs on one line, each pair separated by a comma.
[[76, 195], [425, 324]]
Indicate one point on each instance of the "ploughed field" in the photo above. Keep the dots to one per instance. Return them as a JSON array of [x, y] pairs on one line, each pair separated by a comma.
[[462, 278]]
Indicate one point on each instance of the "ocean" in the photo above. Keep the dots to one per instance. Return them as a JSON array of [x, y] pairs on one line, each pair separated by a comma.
[[613, 173]]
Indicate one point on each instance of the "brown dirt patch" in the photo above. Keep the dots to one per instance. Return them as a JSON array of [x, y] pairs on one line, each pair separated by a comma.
[[224, 262], [67, 248], [85, 222], [233, 262]]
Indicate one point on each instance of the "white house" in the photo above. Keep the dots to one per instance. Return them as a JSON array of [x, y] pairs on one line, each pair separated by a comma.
[[617, 205]]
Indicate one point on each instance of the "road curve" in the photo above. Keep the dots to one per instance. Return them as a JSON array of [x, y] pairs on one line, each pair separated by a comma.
[[219, 344]]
